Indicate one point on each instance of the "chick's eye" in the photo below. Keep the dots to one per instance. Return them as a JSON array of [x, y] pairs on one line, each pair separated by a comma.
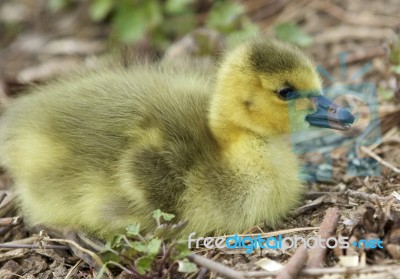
[[287, 93]]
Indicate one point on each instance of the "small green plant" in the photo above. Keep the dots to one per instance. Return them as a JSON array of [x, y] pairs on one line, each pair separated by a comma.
[[162, 21], [230, 19], [386, 94], [156, 255], [394, 55], [57, 5], [290, 32]]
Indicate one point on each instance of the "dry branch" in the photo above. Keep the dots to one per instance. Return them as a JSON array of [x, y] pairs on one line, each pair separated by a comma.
[[295, 264], [326, 230], [379, 159], [32, 246], [216, 267], [2, 197], [10, 221], [360, 55], [8, 205], [228, 272], [341, 33], [13, 254], [353, 18], [75, 245], [367, 197], [392, 269]]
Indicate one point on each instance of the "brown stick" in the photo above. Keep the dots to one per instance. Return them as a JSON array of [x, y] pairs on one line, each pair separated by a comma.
[[368, 197], [314, 204], [353, 18], [10, 221], [360, 55], [326, 230], [2, 197], [231, 273], [216, 267], [379, 159], [295, 264], [339, 33], [94, 256], [7, 206], [32, 246], [392, 269]]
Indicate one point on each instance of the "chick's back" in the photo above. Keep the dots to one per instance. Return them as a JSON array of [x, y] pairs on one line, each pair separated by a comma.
[[103, 150]]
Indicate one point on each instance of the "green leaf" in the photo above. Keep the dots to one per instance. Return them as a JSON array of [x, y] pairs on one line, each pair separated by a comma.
[[166, 231], [157, 214], [99, 9], [168, 217], [186, 267], [160, 38], [129, 253], [290, 32], [177, 6], [130, 25], [151, 248], [248, 32], [140, 247], [181, 250], [143, 264], [133, 230], [134, 19], [394, 55], [225, 16], [57, 5], [154, 246], [107, 256], [152, 12], [115, 242], [396, 69], [386, 94]]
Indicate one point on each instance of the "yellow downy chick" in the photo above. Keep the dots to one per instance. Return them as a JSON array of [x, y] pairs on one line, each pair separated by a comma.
[[102, 150]]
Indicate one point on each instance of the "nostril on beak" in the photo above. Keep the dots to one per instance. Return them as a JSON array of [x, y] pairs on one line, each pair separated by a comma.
[[331, 109], [346, 116]]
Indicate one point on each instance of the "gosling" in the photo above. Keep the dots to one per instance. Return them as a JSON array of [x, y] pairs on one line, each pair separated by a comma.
[[101, 150]]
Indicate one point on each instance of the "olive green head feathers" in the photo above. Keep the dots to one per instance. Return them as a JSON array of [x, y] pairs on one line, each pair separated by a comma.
[[270, 88], [255, 83]]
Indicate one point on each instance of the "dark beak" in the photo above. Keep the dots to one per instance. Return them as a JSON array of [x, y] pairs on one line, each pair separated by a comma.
[[330, 115]]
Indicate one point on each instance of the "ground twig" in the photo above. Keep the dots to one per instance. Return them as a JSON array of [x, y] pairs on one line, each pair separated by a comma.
[[32, 246], [393, 269], [2, 197], [341, 33], [10, 221], [360, 55], [72, 269], [367, 197], [352, 18], [379, 159], [314, 204], [328, 225], [318, 271], [216, 267], [95, 257], [295, 264]]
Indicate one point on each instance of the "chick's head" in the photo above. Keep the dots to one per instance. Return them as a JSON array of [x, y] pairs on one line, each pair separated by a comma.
[[264, 86]]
